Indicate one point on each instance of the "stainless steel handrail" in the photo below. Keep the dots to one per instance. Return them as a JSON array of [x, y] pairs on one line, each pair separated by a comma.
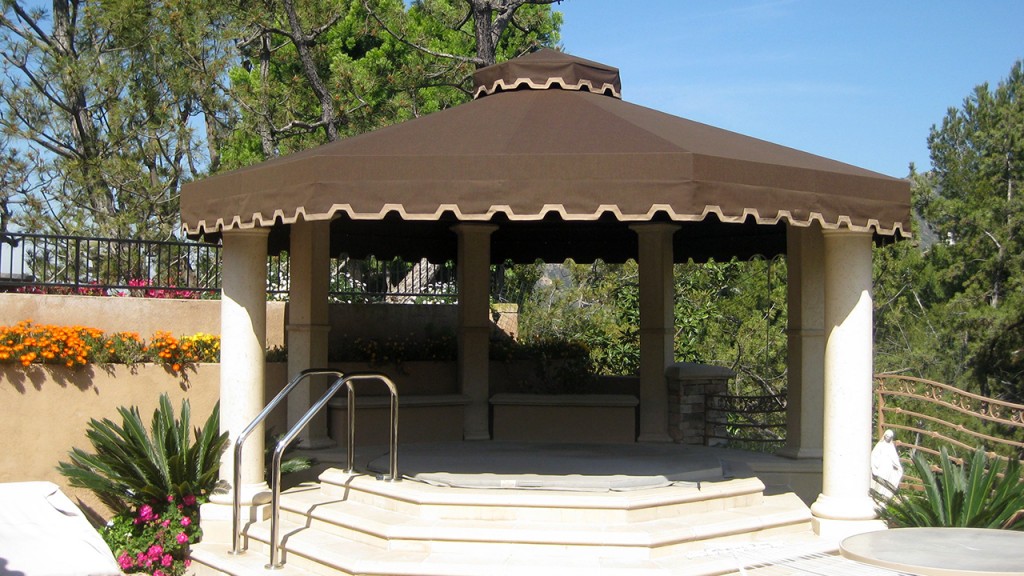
[[236, 511], [282, 445]]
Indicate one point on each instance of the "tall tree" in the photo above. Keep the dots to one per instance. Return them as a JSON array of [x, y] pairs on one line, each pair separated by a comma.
[[316, 71], [972, 278], [16, 183], [483, 23], [310, 73], [109, 95]]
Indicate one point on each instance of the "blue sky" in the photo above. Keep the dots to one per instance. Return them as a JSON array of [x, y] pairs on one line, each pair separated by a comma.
[[858, 81]]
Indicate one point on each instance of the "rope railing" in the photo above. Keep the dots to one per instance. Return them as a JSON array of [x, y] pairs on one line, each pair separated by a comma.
[[929, 415]]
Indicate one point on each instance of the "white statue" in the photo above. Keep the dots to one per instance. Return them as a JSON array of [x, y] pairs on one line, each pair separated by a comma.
[[886, 469]]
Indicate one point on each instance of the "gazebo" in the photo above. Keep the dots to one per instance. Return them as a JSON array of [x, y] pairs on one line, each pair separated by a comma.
[[547, 161]]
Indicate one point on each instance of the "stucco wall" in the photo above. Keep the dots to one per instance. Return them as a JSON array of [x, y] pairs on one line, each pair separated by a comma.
[[392, 320], [45, 411], [182, 317], [142, 315]]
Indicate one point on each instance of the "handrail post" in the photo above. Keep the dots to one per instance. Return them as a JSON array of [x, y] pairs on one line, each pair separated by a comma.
[[236, 503], [298, 427], [350, 430]]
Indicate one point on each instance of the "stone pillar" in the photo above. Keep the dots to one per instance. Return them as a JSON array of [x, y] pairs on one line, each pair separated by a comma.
[[243, 357], [848, 372], [806, 342], [689, 386], [656, 327], [308, 324], [474, 332]]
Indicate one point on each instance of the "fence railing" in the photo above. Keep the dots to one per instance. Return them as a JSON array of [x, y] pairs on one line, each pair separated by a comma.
[[98, 266], [107, 266], [928, 416], [746, 422]]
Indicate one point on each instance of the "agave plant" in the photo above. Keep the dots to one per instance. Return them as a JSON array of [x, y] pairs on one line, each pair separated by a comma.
[[978, 494], [131, 466]]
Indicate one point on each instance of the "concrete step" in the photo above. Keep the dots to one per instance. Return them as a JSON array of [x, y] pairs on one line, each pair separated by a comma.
[[354, 524], [312, 553], [391, 530], [426, 501]]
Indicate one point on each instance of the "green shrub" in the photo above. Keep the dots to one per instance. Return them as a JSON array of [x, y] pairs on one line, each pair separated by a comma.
[[977, 494], [130, 467]]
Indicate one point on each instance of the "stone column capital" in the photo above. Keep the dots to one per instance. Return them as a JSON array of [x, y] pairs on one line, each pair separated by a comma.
[[845, 232], [254, 232]]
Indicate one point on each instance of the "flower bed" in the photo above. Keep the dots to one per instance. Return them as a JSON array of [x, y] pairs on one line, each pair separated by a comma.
[[76, 346]]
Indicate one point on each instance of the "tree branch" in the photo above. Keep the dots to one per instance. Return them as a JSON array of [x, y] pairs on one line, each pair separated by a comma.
[[421, 48]]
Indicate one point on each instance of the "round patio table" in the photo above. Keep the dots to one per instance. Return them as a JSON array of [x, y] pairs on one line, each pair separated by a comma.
[[940, 551]]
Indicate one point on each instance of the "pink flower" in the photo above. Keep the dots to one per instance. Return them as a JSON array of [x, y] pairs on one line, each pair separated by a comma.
[[158, 572], [166, 523], [182, 538], [155, 551], [146, 513], [186, 521], [166, 560], [188, 562], [170, 497], [188, 499], [125, 561]]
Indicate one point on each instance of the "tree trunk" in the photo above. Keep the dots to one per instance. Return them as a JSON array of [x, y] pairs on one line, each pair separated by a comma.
[[302, 42], [485, 45], [265, 122]]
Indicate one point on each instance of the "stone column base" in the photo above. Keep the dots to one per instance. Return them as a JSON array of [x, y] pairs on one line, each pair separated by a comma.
[[215, 520], [215, 516], [837, 530], [844, 508]]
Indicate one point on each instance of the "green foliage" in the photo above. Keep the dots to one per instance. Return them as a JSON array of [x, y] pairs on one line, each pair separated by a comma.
[[978, 494], [289, 464], [104, 98], [734, 314], [592, 304], [131, 467], [727, 313], [953, 309], [380, 62]]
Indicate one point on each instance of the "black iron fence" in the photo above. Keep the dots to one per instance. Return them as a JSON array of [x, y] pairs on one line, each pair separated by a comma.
[[747, 422], [43, 263]]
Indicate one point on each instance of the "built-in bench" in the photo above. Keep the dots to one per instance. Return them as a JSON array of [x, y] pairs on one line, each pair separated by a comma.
[[587, 418], [421, 418]]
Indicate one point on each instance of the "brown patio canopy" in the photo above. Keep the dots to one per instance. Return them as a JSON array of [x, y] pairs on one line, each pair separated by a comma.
[[550, 152]]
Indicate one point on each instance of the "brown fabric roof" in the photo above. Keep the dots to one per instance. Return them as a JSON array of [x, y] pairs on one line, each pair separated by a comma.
[[548, 157]]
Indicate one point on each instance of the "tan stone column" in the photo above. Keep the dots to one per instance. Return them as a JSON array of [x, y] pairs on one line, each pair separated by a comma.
[[308, 325], [242, 352], [806, 334], [656, 327], [473, 271], [848, 368]]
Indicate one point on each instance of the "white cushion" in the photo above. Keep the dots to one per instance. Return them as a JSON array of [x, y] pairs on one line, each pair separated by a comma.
[[43, 533]]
